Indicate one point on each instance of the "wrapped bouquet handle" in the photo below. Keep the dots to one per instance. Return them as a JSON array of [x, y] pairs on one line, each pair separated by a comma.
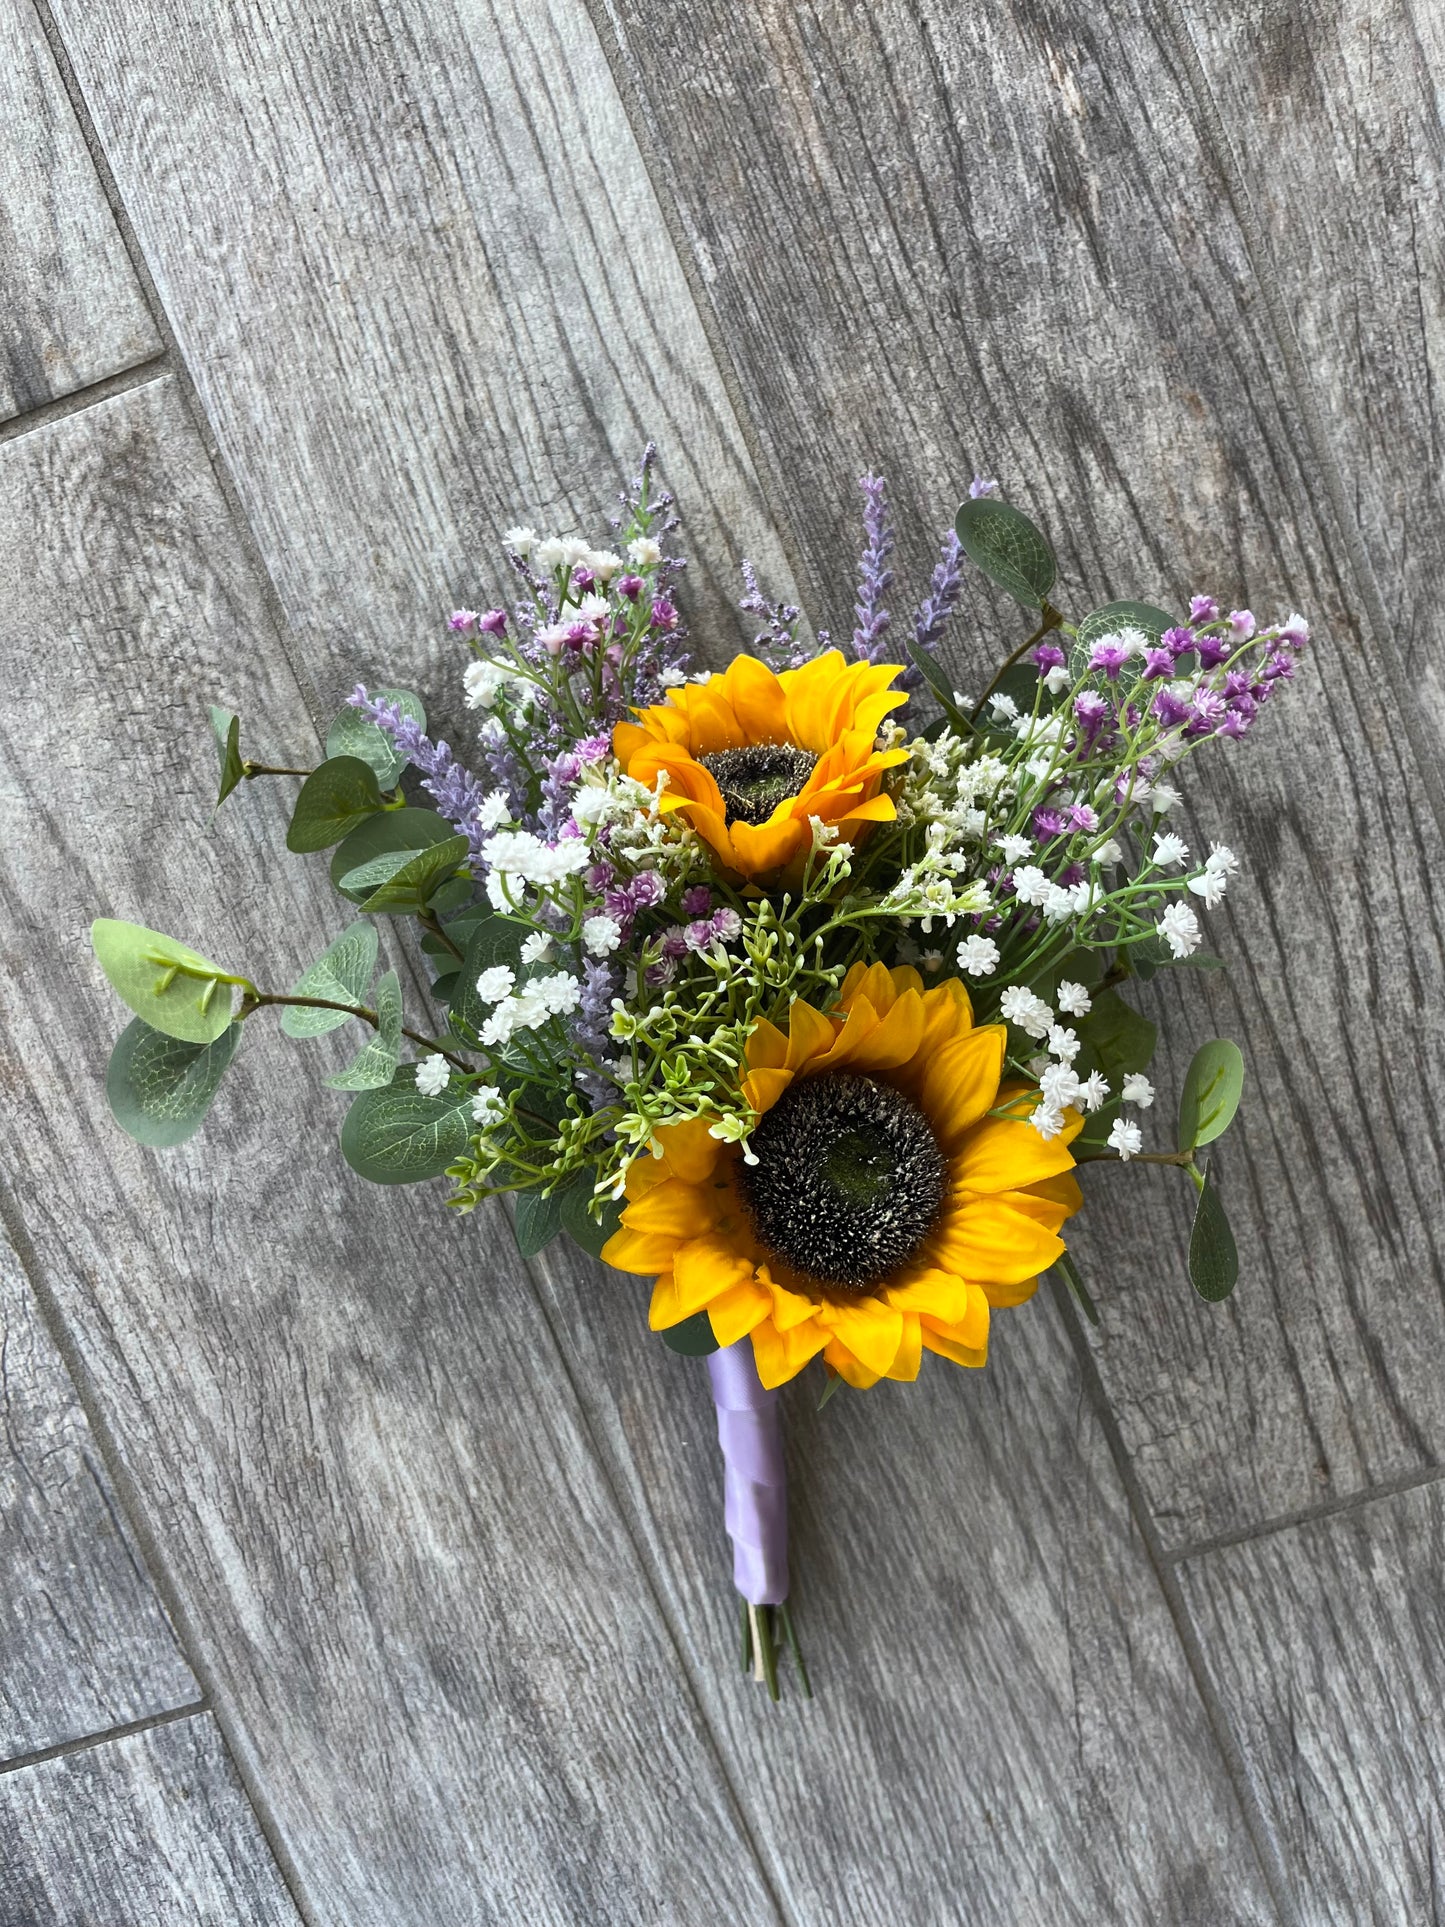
[[755, 1506]]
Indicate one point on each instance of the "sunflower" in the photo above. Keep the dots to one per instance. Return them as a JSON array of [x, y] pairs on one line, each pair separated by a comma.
[[889, 1207], [751, 755]]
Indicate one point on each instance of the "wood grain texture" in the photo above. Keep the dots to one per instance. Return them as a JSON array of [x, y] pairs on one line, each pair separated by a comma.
[[342, 1414], [1006, 1729], [72, 311], [84, 1643], [1328, 1647], [1335, 112], [420, 278], [153, 1828], [938, 240]]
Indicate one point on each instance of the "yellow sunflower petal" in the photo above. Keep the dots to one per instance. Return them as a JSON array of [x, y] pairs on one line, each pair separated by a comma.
[[986, 1240], [639, 1251], [961, 1083], [756, 697], [707, 1267], [947, 1348], [910, 1351], [1007, 1296], [938, 1293], [762, 1089], [767, 1047], [781, 1355], [790, 1308], [1000, 1154], [689, 1150], [895, 1040], [735, 1312], [759, 847], [809, 1035], [673, 1209], [847, 1366], [871, 1330]]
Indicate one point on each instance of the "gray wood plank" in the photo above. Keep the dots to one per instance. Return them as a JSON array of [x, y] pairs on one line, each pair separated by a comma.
[[419, 275], [84, 1643], [399, 1567], [1328, 1646], [1006, 1729], [938, 240], [153, 1828], [72, 309], [1335, 113]]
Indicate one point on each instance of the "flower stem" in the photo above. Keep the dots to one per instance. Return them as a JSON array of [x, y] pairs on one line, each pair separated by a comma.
[[254, 999], [1052, 620], [1184, 1158]]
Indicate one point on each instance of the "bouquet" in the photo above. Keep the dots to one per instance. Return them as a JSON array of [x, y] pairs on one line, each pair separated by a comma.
[[795, 987]]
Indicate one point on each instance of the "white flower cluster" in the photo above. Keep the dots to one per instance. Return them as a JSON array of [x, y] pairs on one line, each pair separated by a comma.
[[488, 679], [561, 552], [519, 857], [537, 1001]]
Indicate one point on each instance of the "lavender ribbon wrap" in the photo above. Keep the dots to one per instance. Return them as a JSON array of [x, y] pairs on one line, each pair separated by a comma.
[[755, 1490]]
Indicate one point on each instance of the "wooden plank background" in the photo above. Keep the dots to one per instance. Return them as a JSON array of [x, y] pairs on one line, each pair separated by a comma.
[[356, 1571]]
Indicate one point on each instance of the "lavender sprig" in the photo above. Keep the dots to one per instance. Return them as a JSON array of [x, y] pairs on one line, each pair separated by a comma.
[[875, 578], [937, 606], [457, 793]]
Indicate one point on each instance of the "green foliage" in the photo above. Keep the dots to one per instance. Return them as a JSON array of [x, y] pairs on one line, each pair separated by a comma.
[[341, 974], [494, 940], [375, 1064], [396, 1135], [227, 728], [1008, 548], [578, 1222], [172, 988], [693, 1338], [1119, 1037], [334, 800], [1067, 1269], [1154, 954], [931, 670], [1213, 1259], [401, 883], [392, 830], [459, 930], [1212, 1089], [352, 735], [537, 1220], [1108, 620], [160, 1088]]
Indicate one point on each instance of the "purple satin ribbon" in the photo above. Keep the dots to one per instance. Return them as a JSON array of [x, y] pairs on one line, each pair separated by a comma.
[[755, 1485]]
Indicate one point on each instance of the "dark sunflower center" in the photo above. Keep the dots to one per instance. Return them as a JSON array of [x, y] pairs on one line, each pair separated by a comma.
[[755, 779], [849, 1180]]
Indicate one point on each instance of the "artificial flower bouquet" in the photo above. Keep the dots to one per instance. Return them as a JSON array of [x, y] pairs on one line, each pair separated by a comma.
[[795, 987]]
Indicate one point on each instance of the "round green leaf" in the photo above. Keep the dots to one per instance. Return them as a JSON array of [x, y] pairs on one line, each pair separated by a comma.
[[160, 1088], [352, 735], [1120, 1037], [1211, 1093], [334, 799], [375, 1064], [399, 1136], [402, 882], [693, 1338], [392, 830], [342, 975], [1213, 1258], [172, 988], [1008, 548]]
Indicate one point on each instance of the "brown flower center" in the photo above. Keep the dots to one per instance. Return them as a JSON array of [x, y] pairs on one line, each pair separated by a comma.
[[755, 779]]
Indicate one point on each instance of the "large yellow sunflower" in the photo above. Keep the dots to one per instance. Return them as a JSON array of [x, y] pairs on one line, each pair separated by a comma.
[[887, 1210], [751, 755]]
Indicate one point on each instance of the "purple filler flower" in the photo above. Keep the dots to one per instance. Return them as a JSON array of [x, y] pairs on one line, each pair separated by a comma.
[[462, 621], [1092, 711], [1109, 656], [875, 578], [1203, 608], [1048, 656], [1158, 663]]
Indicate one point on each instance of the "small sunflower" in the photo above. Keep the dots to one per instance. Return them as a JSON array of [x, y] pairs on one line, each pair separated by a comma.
[[887, 1211], [751, 755]]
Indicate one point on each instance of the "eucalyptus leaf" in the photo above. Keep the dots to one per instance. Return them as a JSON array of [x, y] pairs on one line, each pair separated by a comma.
[[172, 988], [406, 829], [443, 986], [1120, 1037], [1213, 1258], [693, 1338], [1069, 1271], [334, 800], [396, 1135], [458, 930], [578, 1222], [1008, 548], [931, 670], [1212, 1089], [227, 727], [453, 896], [352, 735], [402, 883], [375, 1064], [537, 1221], [160, 1088], [1108, 621], [341, 975]]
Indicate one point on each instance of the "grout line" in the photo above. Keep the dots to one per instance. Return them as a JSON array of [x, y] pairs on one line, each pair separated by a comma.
[[1306, 1515], [89, 1741], [1266, 1849], [158, 1572], [140, 375], [179, 367]]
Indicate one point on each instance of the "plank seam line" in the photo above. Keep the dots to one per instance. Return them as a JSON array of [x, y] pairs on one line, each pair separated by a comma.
[[1185, 1630], [141, 374], [1307, 1515], [89, 1741], [601, 1459], [1268, 280], [180, 368], [137, 1517]]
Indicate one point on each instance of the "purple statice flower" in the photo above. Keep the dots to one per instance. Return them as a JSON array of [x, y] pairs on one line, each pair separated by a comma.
[[1294, 630], [776, 642], [1049, 656], [1236, 725], [721, 927], [1179, 640], [674, 942], [1109, 656], [1158, 663], [1242, 623], [599, 877], [492, 622], [1083, 817], [1203, 608], [462, 621], [936, 608], [630, 586], [657, 976], [1049, 822], [647, 889], [697, 901], [583, 579], [1072, 874], [1278, 666], [1170, 709], [1206, 712], [583, 635], [594, 749], [456, 792], [1236, 684], [875, 578], [1213, 650], [664, 614], [1091, 711], [981, 485]]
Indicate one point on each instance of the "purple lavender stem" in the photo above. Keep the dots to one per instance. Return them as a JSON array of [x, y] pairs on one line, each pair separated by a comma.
[[875, 578], [755, 1491]]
